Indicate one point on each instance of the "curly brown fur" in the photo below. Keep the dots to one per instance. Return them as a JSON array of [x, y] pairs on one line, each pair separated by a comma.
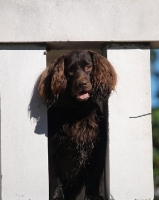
[[53, 81], [87, 124], [76, 126], [104, 77]]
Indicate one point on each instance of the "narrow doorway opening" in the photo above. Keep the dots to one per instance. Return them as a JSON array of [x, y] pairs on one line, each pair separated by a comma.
[[53, 54]]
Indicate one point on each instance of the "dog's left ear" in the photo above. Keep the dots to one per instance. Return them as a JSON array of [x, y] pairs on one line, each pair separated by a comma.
[[104, 77], [52, 81]]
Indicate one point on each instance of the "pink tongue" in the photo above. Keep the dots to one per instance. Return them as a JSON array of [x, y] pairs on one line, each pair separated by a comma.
[[83, 96]]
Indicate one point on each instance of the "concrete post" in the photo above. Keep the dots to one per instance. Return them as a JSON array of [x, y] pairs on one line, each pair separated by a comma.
[[24, 156], [130, 147]]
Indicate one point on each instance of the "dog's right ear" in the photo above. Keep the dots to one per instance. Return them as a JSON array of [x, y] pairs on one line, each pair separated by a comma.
[[104, 77], [52, 81]]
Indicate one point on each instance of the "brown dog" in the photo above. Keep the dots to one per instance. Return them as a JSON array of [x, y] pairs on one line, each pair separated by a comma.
[[76, 126]]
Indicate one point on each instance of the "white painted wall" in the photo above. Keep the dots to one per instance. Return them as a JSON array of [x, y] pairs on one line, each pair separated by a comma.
[[24, 143], [130, 147], [80, 20], [24, 157]]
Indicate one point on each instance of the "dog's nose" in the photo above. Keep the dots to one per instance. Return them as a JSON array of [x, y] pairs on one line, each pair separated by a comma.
[[82, 83]]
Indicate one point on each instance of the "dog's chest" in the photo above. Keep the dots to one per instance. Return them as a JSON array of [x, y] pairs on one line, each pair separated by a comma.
[[81, 126], [75, 137]]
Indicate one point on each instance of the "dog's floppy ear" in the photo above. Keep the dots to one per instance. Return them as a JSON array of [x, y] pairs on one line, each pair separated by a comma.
[[103, 77], [52, 81]]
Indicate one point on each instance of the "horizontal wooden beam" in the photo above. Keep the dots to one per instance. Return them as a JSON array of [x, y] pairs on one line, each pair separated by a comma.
[[102, 20]]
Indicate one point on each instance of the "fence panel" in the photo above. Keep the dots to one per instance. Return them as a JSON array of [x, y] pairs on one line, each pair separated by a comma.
[[24, 157], [130, 135]]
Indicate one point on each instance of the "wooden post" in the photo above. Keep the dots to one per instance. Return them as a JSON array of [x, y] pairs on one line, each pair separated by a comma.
[[24, 157], [130, 137]]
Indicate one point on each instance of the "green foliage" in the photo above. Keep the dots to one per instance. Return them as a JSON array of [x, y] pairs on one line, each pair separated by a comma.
[[156, 162], [153, 56], [155, 127], [155, 131]]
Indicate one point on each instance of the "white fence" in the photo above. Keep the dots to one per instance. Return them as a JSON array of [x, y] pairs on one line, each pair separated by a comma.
[[98, 25], [24, 158]]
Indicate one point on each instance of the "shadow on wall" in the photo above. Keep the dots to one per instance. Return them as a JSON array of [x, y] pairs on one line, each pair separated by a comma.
[[38, 111]]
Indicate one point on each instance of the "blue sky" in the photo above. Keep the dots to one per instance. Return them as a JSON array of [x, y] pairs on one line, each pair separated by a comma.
[[155, 81]]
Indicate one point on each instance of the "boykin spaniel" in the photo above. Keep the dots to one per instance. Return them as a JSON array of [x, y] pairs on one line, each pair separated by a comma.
[[76, 127]]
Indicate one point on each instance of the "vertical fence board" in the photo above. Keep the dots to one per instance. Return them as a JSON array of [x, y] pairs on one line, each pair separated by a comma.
[[131, 175], [24, 156]]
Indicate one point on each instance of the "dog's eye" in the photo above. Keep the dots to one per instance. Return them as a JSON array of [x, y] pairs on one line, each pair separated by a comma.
[[71, 71], [88, 68]]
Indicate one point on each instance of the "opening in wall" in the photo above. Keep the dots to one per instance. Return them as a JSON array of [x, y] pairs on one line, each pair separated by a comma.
[[54, 119]]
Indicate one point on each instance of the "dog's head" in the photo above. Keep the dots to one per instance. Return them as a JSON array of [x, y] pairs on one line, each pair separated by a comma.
[[82, 74], [78, 70]]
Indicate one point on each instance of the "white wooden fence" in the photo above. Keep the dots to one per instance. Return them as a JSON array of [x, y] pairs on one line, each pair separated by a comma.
[[27, 29]]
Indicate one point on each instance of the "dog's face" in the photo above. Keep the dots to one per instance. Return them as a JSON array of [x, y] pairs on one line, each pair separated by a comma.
[[78, 69], [83, 74]]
